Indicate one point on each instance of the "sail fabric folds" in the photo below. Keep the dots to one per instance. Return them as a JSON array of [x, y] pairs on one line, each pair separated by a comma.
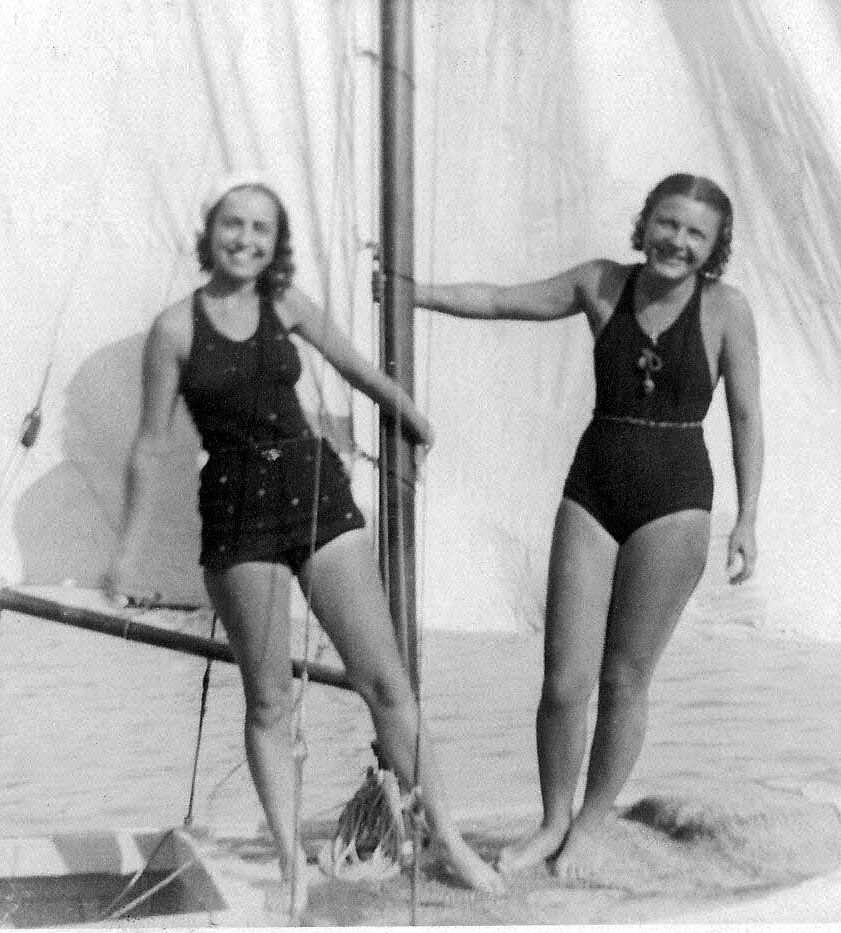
[[540, 126], [552, 122], [121, 116]]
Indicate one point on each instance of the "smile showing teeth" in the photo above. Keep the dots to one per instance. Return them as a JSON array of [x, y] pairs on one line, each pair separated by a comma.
[[670, 258]]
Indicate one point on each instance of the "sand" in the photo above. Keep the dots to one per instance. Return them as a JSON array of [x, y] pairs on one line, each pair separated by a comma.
[[730, 815], [732, 811]]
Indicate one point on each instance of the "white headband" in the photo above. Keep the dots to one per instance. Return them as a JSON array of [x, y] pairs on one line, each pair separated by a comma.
[[227, 183]]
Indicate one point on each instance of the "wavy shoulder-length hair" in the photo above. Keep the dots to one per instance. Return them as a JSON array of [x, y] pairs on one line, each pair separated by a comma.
[[277, 276], [700, 189]]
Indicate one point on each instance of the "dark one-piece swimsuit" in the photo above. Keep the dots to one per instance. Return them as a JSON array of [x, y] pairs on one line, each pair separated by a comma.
[[258, 485], [643, 455]]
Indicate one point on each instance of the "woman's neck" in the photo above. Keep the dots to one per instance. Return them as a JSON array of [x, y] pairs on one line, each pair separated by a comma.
[[230, 290], [654, 289]]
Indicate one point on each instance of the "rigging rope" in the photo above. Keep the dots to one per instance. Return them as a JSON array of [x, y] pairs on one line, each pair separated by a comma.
[[205, 687], [216, 103], [299, 739], [113, 913], [421, 576], [29, 430], [31, 424], [401, 584], [396, 469]]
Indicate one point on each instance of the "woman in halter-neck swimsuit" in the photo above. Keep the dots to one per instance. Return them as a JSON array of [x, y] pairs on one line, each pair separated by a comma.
[[632, 530], [226, 348]]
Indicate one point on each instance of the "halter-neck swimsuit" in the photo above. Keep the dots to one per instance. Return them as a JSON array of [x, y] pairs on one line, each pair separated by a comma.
[[259, 482], [643, 455]]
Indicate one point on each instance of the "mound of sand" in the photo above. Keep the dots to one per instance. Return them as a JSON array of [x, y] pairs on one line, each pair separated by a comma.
[[673, 850]]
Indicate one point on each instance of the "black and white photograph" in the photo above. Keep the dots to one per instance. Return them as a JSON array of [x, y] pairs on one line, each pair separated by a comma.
[[420, 463]]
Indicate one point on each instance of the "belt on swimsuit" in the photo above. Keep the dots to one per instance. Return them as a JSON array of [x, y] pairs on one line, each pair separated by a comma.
[[268, 451], [644, 422]]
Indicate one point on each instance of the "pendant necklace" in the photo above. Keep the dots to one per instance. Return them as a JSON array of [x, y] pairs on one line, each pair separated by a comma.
[[649, 363]]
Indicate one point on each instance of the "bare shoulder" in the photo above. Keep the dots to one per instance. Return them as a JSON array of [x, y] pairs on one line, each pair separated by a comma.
[[295, 309], [172, 330], [724, 297], [598, 285], [726, 308], [609, 278], [589, 274]]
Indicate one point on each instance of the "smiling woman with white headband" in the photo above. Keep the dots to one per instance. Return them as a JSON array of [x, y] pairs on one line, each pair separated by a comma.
[[226, 348]]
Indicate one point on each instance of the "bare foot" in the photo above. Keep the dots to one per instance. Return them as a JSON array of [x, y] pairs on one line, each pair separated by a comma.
[[531, 851], [295, 898], [581, 857], [471, 870]]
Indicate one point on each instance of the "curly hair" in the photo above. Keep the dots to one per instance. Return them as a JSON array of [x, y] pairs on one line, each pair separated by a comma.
[[277, 276], [700, 189]]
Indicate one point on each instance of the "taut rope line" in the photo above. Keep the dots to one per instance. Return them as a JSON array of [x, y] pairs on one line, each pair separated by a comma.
[[205, 688], [299, 748]]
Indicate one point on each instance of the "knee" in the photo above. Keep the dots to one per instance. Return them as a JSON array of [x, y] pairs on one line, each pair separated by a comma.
[[270, 709], [625, 679], [384, 692], [566, 687]]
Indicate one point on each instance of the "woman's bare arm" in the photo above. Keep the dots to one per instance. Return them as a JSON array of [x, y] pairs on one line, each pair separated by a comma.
[[544, 300], [160, 393], [317, 328], [740, 371]]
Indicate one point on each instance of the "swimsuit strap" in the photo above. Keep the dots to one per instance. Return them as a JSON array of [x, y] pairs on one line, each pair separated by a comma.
[[270, 319], [199, 316], [265, 308], [625, 304], [265, 315]]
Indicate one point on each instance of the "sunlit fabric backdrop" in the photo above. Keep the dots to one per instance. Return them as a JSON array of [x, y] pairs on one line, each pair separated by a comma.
[[540, 126]]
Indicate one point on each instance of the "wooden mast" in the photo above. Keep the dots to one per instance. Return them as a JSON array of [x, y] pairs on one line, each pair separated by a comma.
[[397, 471]]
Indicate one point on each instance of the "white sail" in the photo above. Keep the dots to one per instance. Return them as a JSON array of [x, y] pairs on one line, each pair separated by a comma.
[[540, 127], [121, 116]]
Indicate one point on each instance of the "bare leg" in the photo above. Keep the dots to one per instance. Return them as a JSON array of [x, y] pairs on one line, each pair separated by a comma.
[[349, 601], [581, 568], [658, 569], [252, 601]]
